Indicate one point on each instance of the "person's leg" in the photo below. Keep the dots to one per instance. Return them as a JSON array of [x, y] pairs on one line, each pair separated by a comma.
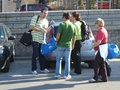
[[67, 62], [108, 68], [76, 57], [42, 60], [103, 71], [59, 55], [96, 66], [34, 55]]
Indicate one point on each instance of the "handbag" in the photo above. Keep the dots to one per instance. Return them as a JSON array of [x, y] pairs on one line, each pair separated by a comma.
[[26, 38], [49, 46], [113, 51]]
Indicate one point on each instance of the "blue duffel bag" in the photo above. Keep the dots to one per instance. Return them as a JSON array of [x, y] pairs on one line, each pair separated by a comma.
[[49, 46], [113, 51]]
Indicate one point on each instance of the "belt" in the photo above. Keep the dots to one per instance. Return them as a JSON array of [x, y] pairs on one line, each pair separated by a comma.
[[103, 43]]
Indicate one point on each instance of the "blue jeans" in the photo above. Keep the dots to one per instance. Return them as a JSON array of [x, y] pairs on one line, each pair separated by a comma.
[[37, 56], [66, 52]]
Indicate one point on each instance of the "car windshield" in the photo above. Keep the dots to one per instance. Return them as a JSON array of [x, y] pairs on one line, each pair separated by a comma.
[[2, 34], [29, 7], [32, 8], [43, 6]]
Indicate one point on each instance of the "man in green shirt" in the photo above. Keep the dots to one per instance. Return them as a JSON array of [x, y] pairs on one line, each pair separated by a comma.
[[65, 42]]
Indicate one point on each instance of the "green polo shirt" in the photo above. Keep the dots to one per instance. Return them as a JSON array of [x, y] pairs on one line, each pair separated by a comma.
[[67, 31]]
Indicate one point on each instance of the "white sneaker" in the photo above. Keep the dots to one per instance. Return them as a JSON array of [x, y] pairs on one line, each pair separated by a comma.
[[45, 71], [92, 80], [67, 77], [34, 72]]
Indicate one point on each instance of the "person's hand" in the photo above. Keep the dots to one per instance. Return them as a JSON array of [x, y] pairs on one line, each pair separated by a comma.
[[52, 22], [45, 31]]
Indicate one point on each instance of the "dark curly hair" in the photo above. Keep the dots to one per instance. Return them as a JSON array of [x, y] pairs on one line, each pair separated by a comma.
[[66, 15], [77, 16]]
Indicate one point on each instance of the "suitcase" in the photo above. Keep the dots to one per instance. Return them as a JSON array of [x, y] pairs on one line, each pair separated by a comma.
[[26, 38]]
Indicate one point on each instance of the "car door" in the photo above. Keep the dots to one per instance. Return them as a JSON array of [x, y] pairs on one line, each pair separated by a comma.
[[8, 43]]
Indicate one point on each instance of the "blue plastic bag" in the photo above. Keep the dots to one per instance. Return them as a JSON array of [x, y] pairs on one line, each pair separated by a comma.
[[49, 46], [113, 51]]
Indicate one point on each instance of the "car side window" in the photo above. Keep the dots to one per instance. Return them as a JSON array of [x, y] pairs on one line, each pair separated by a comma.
[[41, 7], [23, 7], [2, 33], [32, 8], [8, 32]]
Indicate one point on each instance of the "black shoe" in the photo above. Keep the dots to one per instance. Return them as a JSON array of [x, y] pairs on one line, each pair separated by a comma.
[[77, 72], [103, 80]]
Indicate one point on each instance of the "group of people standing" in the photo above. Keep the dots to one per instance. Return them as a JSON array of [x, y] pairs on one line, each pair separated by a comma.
[[68, 41]]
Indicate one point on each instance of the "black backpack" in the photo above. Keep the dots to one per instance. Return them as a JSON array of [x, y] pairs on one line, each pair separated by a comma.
[[26, 38], [84, 31]]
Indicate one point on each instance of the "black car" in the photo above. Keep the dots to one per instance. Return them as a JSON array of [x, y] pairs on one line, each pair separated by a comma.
[[6, 48]]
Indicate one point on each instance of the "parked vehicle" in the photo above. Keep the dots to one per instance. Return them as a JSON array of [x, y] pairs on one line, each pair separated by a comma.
[[33, 7], [7, 51], [87, 52]]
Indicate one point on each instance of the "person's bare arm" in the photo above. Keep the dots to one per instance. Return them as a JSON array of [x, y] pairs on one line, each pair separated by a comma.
[[36, 29], [91, 35], [51, 25], [73, 42], [57, 37], [47, 30], [96, 43]]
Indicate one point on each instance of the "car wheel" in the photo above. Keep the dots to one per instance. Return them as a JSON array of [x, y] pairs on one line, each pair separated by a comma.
[[7, 67], [51, 64], [12, 58], [90, 64]]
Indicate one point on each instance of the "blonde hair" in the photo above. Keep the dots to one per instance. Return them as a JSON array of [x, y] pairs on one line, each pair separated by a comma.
[[100, 22]]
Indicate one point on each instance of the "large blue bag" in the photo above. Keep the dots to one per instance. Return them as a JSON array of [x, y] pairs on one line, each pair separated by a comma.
[[113, 51], [49, 46]]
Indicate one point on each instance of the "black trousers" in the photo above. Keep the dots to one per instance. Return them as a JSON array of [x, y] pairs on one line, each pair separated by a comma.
[[100, 67], [76, 55], [37, 56]]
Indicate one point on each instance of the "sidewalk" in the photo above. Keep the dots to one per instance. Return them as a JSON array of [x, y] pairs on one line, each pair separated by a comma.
[[20, 78]]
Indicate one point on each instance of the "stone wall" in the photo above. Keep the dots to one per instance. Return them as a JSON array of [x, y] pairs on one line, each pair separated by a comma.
[[19, 23]]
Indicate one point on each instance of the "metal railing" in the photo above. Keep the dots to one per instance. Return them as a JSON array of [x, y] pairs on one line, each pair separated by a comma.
[[83, 4]]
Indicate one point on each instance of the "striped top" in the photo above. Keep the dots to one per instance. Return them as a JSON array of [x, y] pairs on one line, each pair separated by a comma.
[[43, 24]]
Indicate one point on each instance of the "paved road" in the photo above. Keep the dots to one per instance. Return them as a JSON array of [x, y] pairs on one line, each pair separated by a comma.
[[20, 78]]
